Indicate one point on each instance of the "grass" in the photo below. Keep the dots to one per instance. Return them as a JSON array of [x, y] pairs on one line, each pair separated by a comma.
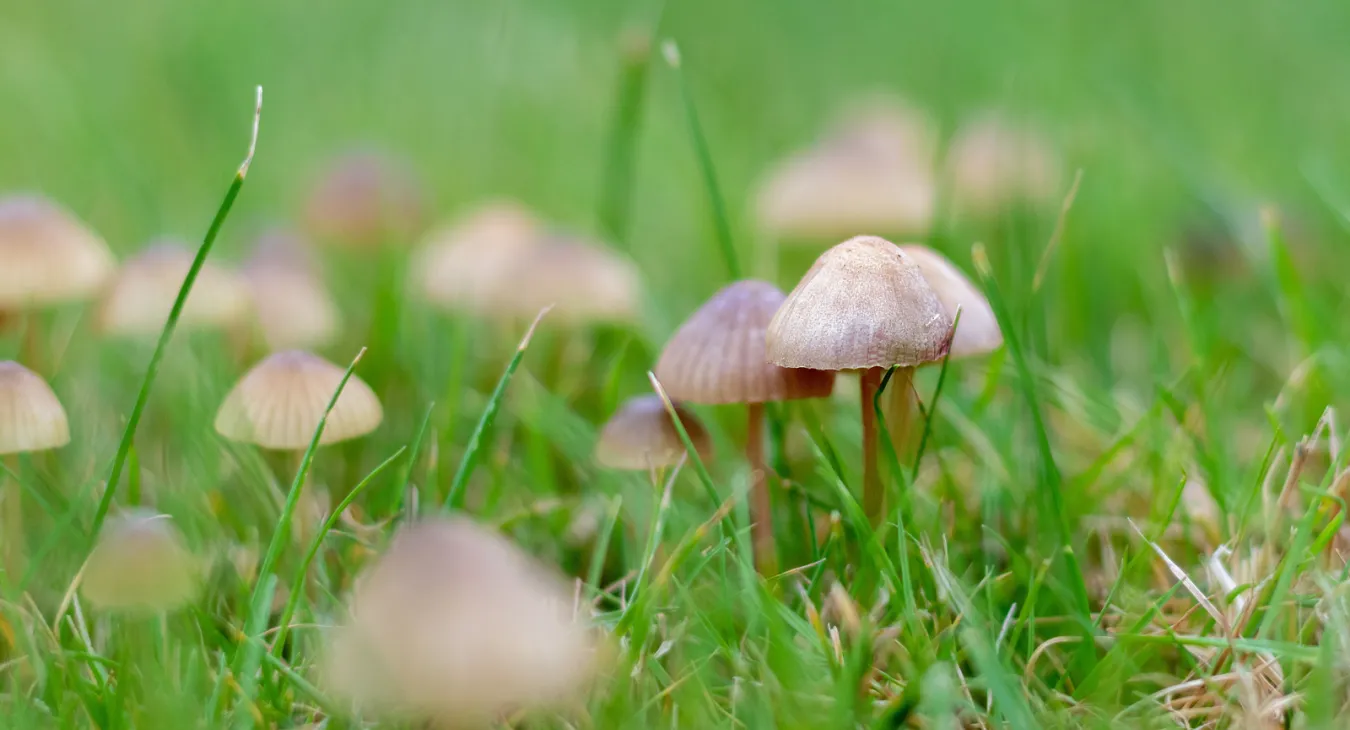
[[1150, 402]]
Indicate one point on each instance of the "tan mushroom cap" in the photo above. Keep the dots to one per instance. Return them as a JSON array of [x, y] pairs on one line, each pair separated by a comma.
[[31, 417], [465, 266], [46, 255], [585, 282], [994, 163], [291, 303], [717, 355], [641, 435], [278, 404], [141, 564], [455, 624], [365, 199], [138, 300], [874, 172], [864, 304], [978, 332]]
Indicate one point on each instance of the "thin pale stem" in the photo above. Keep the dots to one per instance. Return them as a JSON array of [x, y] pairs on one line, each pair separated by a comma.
[[761, 502], [899, 410], [874, 495]]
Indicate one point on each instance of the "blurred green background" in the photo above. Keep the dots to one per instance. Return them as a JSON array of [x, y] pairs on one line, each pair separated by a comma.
[[134, 113]]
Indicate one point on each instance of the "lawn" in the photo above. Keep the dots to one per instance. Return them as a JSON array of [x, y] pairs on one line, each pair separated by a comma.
[[1128, 514]]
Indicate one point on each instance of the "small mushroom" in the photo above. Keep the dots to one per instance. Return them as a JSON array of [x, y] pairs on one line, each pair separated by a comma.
[[140, 565], [292, 304], [31, 419], [47, 257], [977, 333], [874, 171], [466, 266], [456, 626], [717, 356], [365, 200], [865, 305], [994, 163], [641, 436], [278, 404], [138, 300]]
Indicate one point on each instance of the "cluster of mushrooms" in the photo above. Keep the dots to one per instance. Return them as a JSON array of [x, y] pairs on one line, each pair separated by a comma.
[[453, 621]]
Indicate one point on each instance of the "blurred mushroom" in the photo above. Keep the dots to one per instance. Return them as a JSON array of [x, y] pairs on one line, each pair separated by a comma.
[[641, 436], [365, 200], [278, 404], [865, 305], [716, 357], [292, 304], [47, 257], [140, 565], [466, 266], [140, 297], [455, 626], [994, 163], [585, 282], [31, 419], [872, 172]]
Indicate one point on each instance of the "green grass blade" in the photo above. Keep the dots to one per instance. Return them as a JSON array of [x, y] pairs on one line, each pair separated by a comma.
[[721, 220], [454, 499], [152, 368]]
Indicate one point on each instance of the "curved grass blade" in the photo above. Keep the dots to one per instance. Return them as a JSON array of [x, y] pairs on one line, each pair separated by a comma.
[[455, 498], [247, 657], [152, 369]]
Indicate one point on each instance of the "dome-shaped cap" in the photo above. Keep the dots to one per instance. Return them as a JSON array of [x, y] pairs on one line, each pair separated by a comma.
[[641, 435], [46, 255], [717, 355], [465, 266], [365, 199], [138, 300], [292, 305], [993, 163], [874, 172], [863, 304], [455, 624], [978, 332], [140, 565], [278, 404], [583, 281], [31, 417]]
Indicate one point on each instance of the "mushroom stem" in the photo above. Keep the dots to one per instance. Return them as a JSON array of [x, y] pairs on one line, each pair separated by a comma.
[[11, 524], [761, 502], [899, 410], [30, 346], [874, 497]]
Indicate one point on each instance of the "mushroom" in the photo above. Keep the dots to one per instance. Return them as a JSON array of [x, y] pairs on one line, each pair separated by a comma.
[[140, 565], [292, 304], [278, 404], [465, 266], [717, 357], [641, 435], [993, 164], [31, 419], [584, 282], [873, 171], [139, 299], [864, 305], [365, 200], [47, 257], [456, 626]]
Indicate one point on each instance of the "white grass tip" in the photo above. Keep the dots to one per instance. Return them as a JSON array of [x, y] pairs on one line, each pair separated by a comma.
[[253, 140], [671, 51]]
